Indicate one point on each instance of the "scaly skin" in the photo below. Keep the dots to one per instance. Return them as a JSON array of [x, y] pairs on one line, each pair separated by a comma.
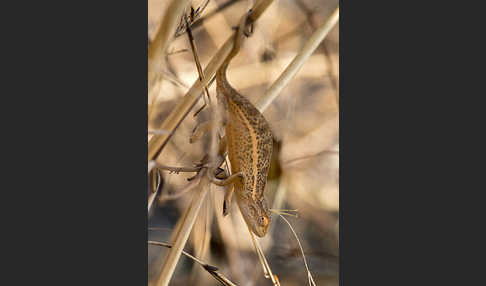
[[249, 145]]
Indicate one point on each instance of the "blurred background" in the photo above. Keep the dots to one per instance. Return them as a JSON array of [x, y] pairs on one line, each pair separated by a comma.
[[305, 170]]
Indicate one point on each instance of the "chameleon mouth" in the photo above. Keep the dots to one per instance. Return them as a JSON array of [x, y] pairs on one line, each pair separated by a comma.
[[260, 231]]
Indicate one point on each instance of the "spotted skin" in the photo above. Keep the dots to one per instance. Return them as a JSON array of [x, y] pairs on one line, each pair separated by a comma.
[[249, 144]]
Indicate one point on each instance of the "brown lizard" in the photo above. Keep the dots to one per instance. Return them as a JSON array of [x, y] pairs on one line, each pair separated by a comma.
[[249, 143]]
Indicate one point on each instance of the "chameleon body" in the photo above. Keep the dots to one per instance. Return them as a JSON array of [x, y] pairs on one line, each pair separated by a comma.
[[249, 144]]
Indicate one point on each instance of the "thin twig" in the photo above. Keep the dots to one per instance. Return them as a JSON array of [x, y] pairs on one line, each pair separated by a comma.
[[219, 9], [309, 275], [213, 270], [267, 271], [158, 46], [182, 234], [180, 111], [293, 213], [310, 20], [177, 170], [168, 245], [155, 180], [196, 60], [177, 52], [297, 62], [159, 132], [152, 195], [186, 222], [327, 152], [194, 14]]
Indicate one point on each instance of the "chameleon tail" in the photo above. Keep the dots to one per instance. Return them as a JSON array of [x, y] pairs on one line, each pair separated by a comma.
[[242, 30]]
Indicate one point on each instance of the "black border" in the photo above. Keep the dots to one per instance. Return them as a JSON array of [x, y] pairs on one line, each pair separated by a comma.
[[75, 140], [76, 163], [406, 103]]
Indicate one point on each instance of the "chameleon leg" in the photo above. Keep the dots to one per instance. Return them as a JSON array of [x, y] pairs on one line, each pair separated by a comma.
[[198, 132], [227, 199], [229, 191], [226, 181]]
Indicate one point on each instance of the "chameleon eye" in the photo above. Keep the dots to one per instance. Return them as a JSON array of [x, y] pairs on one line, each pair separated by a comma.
[[263, 221]]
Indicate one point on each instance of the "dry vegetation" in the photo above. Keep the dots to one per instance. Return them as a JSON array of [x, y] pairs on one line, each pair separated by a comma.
[[303, 118]]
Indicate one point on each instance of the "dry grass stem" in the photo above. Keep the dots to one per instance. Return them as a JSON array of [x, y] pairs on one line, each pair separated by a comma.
[[213, 270], [152, 195], [219, 9], [298, 61], [267, 271], [309, 275], [292, 213], [180, 111], [186, 23], [196, 60], [187, 222], [173, 120], [158, 46], [310, 19], [289, 162], [177, 170], [158, 132], [272, 61], [177, 52]]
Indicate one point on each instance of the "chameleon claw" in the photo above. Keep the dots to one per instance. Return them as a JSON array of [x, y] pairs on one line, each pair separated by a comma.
[[225, 209], [220, 174]]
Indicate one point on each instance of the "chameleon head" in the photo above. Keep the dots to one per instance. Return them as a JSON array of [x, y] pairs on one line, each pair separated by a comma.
[[256, 215]]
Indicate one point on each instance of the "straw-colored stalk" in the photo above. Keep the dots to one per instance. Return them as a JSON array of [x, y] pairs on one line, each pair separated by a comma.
[[158, 141], [158, 46], [292, 69], [209, 268], [180, 111], [186, 223]]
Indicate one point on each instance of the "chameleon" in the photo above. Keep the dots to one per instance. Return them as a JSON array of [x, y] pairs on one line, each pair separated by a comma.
[[249, 143]]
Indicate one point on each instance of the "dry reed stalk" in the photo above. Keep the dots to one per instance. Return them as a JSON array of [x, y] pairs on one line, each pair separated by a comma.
[[158, 46], [209, 268], [309, 275], [182, 234], [215, 12], [196, 60], [267, 271], [186, 223], [200, 239], [297, 62], [180, 111], [157, 142], [213, 26], [311, 20], [227, 232], [315, 68]]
